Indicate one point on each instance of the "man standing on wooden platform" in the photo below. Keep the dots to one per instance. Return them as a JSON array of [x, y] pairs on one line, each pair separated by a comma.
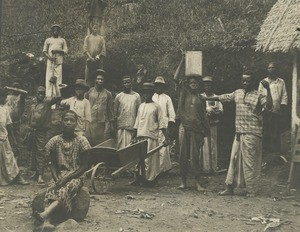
[[54, 50]]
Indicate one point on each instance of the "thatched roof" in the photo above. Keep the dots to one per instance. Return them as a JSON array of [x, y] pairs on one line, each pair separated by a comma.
[[280, 30]]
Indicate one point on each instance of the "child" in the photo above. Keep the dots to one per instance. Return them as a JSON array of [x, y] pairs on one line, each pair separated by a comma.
[[80, 105], [9, 170], [148, 123]]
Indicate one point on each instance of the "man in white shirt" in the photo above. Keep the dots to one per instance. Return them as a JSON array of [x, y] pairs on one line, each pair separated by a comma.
[[272, 117], [165, 102]]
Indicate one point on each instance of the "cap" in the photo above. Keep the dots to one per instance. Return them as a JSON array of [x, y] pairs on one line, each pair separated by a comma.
[[207, 78], [82, 83], [160, 79], [148, 86], [55, 25], [41, 89], [100, 71]]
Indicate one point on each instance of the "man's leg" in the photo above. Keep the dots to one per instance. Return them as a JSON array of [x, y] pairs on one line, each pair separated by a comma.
[[183, 156], [196, 143], [251, 159], [40, 158], [230, 179]]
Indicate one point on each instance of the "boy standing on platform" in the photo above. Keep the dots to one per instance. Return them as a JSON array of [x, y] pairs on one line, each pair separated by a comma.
[[126, 107], [94, 48]]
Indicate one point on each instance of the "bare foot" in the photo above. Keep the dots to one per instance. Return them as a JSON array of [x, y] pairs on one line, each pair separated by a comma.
[[182, 186], [226, 192], [199, 188], [41, 180]]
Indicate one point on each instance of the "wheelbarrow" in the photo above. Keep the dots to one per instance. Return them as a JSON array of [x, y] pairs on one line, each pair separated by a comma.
[[107, 163]]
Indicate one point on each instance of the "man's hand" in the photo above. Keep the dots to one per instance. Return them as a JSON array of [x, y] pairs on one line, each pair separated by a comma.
[[52, 59], [60, 183], [53, 79], [166, 142], [265, 84]]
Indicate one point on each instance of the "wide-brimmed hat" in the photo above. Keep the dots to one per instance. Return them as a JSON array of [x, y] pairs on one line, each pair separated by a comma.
[[207, 79], [81, 83], [56, 25], [159, 80], [100, 71], [148, 86]]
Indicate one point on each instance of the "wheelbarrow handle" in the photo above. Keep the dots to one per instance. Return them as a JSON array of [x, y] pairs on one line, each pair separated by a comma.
[[151, 152]]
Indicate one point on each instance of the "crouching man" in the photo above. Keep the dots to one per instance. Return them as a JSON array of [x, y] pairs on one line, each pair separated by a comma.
[[68, 163]]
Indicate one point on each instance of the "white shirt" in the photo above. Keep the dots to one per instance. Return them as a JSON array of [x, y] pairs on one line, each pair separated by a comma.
[[4, 121], [82, 108], [165, 102], [278, 93]]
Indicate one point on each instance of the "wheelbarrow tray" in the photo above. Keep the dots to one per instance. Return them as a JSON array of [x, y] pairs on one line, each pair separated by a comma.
[[107, 153]]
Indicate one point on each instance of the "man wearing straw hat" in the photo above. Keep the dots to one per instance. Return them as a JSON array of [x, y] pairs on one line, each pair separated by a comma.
[[166, 104], [213, 110], [148, 123], [80, 105], [54, 50]]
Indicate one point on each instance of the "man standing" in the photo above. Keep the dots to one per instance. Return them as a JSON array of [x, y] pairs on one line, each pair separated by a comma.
[[102, 126], [148, 122], [193, 128], [94, 48], [40, 120], [272, 117], [15, 102], [80, 105], [213, 110], [126, 107], [54, 50], [246, 154], [165, 102]]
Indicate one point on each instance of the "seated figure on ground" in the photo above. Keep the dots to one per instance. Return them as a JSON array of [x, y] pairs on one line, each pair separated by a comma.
[[68, 163]]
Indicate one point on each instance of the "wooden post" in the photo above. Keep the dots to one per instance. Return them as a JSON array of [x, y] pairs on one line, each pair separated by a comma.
[[295, 118]]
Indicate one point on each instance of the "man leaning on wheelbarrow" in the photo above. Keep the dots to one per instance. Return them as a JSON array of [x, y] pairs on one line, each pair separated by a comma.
[[148, 122]]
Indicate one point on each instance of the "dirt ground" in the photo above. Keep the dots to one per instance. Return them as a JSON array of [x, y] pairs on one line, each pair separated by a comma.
[[165, 208]]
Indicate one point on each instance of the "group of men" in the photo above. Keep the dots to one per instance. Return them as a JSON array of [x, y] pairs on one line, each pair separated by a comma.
[[95, 116]]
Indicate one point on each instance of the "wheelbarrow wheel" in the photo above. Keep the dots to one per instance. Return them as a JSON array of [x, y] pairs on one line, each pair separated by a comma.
[[99, 179]]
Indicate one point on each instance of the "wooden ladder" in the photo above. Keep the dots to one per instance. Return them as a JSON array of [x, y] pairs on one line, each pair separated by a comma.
[[295, 156]]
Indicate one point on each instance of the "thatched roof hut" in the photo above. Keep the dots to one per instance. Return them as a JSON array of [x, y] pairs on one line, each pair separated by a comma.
[[280, 30]]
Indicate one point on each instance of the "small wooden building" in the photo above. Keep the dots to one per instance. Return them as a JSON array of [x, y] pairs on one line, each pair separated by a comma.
[[280, 32]]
